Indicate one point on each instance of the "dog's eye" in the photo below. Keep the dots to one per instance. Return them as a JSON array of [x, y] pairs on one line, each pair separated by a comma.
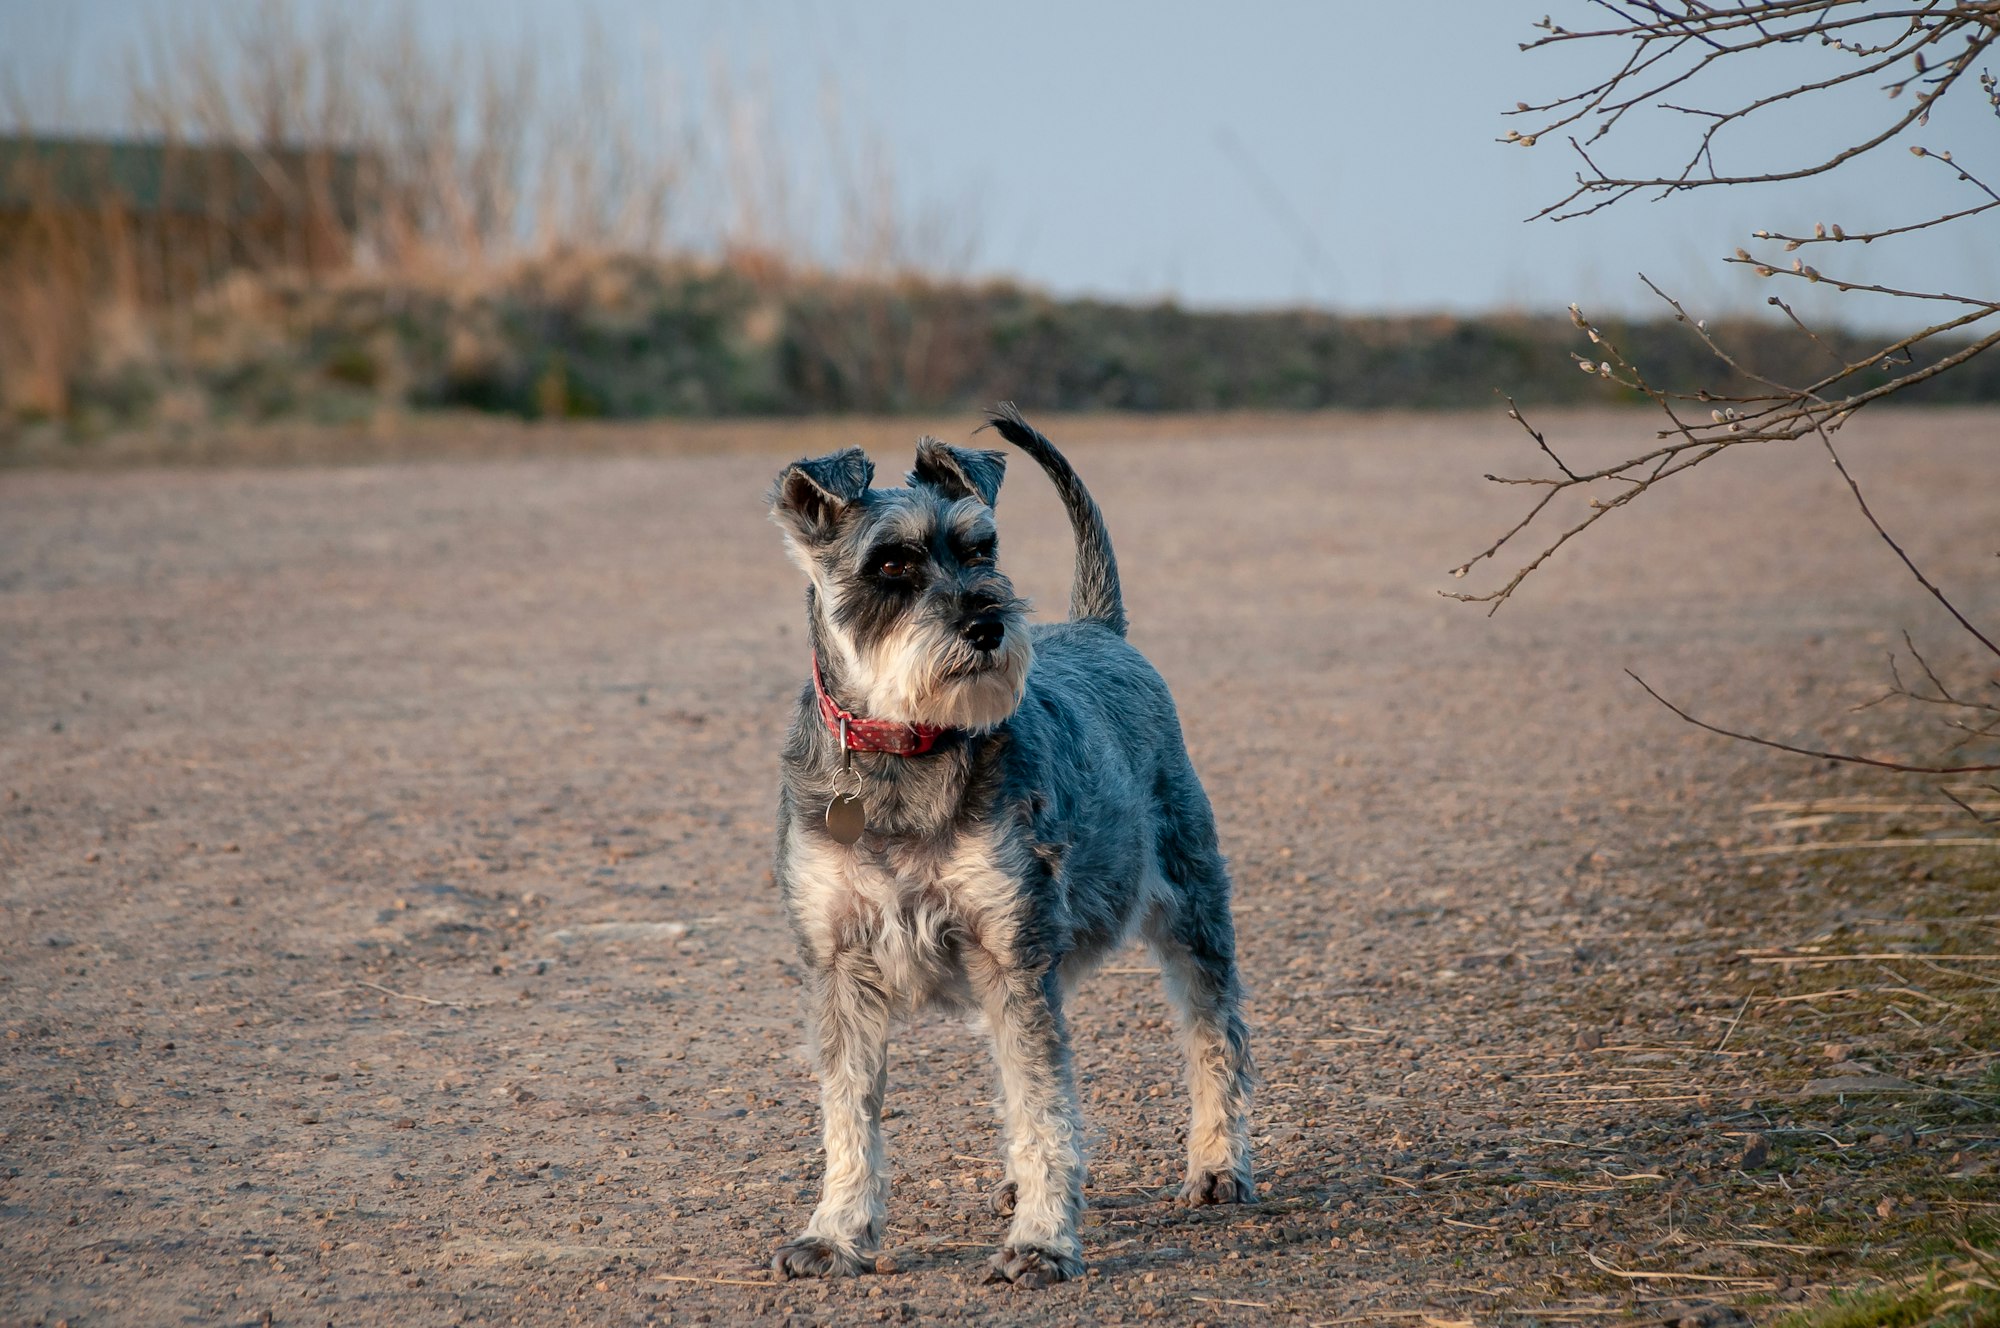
[[979, 555], [900, 564]]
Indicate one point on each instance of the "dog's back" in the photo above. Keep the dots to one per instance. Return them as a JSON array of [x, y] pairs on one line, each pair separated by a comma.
[[1096, 746]]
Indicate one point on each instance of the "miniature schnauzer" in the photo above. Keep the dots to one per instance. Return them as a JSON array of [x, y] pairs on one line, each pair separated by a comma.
[[974, 812]]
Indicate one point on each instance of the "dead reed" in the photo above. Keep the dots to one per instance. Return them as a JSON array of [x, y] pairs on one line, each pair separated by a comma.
[[308, 147]]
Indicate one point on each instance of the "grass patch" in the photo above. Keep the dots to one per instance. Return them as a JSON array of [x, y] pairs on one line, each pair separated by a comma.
[[1948, 1295]]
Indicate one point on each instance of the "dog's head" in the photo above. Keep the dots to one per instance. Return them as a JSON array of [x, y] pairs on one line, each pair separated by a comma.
[[907, 583]]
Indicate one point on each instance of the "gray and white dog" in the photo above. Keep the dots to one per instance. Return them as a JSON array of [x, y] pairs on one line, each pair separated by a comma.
[[974, 812]]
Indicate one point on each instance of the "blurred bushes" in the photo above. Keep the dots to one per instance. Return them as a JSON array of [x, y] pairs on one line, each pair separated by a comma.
[[571, 335]]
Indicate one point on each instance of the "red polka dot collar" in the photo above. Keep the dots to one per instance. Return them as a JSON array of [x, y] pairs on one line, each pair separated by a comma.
[[889, 736]]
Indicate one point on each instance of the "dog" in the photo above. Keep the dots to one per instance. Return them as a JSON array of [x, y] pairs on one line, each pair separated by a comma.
[[973, 812]]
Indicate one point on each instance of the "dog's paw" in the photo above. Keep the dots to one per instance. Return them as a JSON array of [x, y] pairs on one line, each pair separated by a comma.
[[812, 1256], [1032, 1266], [1001, 1200], [1217, 1187]]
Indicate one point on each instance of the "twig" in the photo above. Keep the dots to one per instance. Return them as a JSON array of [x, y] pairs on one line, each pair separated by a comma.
[[1857, 806], [1754, 957], [1808, 751], [1915, 571], [1642, 1276], [1835, 845], [406, 996], [1812, 996], [1729, 1032]]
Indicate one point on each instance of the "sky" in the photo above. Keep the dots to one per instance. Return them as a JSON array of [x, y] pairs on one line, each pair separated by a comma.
[[1340, 154]]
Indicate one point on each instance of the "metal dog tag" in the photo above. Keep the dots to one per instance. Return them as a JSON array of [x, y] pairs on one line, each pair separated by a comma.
[[845, 818]]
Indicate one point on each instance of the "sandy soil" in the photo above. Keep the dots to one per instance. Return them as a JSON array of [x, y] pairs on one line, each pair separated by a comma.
[[390, 939]]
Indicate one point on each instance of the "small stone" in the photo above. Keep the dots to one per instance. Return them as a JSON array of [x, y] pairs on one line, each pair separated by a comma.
[[1838, 1051], [1589, 1039], [1756, 1153], [885, 1263], [405, 1123]]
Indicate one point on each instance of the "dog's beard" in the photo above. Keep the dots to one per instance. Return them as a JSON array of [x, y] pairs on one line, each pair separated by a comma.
[[922, 673]]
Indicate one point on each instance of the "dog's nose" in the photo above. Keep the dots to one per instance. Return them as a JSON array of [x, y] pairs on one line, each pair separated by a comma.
[[985, 633]]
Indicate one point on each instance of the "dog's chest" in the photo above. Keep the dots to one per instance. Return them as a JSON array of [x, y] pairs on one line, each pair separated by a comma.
[[919, 916]]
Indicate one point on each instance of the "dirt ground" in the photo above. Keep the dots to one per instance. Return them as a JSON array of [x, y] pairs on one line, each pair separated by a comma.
[[390, 937]]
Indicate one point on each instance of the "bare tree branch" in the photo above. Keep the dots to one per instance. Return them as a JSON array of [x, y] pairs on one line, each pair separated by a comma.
[[1670, 51]]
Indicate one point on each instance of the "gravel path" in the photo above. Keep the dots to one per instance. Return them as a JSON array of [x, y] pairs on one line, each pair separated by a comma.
[[389, 935]]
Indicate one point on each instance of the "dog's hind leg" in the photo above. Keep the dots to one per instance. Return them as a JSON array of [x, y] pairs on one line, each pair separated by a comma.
[[1193, 937], [1044, 1154], [851, 1021]]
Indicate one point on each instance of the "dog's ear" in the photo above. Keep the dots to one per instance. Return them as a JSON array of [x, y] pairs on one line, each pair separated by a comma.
[[959, 472], [812, 495]]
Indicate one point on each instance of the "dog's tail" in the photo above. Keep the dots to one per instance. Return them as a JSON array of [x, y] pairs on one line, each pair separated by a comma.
[[1094, 595]]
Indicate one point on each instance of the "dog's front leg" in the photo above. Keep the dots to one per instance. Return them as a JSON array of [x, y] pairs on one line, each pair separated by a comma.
[[1044, 1134], [851, 1021]]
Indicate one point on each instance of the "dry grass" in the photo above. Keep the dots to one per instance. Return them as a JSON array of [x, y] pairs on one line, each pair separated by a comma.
[[419, 164]]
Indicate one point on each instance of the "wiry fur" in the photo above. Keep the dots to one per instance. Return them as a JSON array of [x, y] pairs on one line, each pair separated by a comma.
[[1062, 816]]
